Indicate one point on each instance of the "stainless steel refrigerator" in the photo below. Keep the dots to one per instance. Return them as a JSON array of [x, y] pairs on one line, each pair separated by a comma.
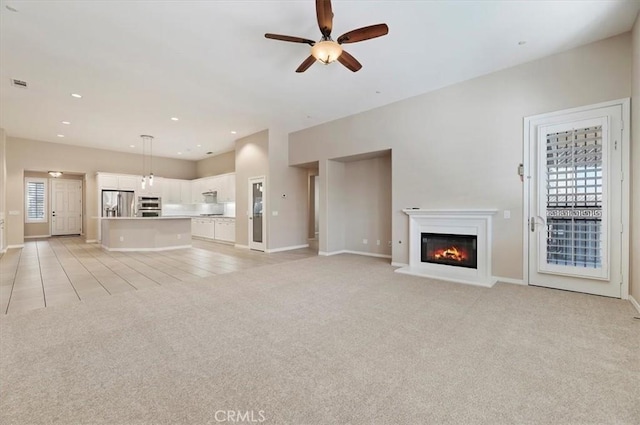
[[118, 203]]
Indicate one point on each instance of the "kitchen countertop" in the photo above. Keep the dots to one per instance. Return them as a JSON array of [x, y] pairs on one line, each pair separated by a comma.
[[166, 217], [175, 217]]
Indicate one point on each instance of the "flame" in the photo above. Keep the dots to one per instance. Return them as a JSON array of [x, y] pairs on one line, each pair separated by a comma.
[[451, 253]]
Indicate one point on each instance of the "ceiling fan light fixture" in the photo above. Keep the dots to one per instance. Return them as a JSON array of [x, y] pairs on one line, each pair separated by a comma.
[[326, 51]]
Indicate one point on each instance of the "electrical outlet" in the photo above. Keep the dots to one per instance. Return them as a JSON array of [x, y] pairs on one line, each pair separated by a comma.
[[121, 238], [507, 214], [378, 242], [365, 241], [179, 236]]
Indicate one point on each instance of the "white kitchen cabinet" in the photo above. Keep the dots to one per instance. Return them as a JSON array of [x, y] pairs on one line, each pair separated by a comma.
[[126, 182], [225, 229], [176, 191], [196, 191], [171, 191], [109, 181], [226, 185], [185, 191], [203, 228]]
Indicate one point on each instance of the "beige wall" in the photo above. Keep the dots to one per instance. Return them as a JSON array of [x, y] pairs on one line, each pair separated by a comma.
[[333, 214], [252, 160], [459, 147], [287, 196], [31, 155], [3, 184], [219, 164], [635, 166], [368, 205]]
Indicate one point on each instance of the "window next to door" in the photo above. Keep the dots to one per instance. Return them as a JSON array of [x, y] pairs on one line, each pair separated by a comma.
[[35, 199]]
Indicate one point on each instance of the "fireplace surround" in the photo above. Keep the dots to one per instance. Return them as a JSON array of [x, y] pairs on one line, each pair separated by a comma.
[[451, 245]]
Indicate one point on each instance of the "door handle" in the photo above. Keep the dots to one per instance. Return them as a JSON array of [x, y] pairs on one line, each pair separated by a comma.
[[533, 220]]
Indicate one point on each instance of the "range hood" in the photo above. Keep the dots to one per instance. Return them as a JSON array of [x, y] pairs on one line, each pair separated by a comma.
[[210, 197]]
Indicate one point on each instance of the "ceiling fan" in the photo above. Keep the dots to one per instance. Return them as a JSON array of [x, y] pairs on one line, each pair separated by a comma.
[[326, 50]]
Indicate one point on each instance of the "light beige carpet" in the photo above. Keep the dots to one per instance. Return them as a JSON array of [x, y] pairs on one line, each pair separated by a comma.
[[324, 341]]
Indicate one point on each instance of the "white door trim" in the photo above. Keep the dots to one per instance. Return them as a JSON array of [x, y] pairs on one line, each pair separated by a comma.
[[529, 137], [255, 245]]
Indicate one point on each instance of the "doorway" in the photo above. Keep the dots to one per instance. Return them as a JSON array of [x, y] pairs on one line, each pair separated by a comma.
[[313, 209], [66, 207], [257, 203], [577, 200]]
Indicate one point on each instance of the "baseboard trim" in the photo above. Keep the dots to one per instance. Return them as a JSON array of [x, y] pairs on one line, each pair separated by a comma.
[[634, 303], [91, 241], [510, 280], [347, 251], [166, 248], [396, 264], [241, 246], [37, 236], [15, 246], [366, 254], [286, 248], [329, 254]]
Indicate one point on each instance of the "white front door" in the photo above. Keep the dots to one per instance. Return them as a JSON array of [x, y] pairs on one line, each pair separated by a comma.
[[66, 207], [577, 200], [256, 213]]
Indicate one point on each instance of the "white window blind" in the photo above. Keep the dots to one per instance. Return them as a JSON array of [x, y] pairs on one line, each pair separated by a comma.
[[35, 200]]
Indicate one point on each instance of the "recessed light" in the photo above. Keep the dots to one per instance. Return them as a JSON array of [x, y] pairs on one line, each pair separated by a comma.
[[132, 146], [76, 95], [179, 153], [233, 132], [60, 135], [199, 146], [520, 43], [66, 122], [174, 118]]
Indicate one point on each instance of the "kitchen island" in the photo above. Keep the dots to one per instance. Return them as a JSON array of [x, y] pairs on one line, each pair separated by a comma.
[[145, 233]]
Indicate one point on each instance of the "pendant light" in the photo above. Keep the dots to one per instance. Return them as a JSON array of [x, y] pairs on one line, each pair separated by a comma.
[[146, 139]]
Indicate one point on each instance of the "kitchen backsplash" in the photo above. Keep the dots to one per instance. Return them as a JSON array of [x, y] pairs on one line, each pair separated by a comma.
[[227, 209]]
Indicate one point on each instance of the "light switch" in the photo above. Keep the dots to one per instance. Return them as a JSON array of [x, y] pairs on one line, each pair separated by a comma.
[[274, 213], [507, 214], [14, 212]]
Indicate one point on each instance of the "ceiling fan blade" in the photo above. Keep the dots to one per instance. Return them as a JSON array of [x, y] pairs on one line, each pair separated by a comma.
[[364, 33], [306, 64], [349, 61], [325, 16], [290, 38]]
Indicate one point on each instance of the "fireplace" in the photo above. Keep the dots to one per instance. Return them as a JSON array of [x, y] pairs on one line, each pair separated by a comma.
[[450, 250], [450, 245]]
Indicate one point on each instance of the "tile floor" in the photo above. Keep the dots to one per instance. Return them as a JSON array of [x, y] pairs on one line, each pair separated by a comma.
[[64, 270]]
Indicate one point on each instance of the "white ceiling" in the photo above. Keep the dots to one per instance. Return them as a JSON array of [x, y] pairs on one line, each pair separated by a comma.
[[139, 63]]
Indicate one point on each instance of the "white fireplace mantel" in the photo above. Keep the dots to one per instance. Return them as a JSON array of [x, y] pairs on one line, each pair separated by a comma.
[[476, 222]]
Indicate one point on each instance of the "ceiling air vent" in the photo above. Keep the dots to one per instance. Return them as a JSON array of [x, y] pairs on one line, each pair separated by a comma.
[[19, 83]]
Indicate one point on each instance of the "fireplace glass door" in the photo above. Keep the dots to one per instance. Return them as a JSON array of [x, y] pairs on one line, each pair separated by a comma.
[[449, 250]]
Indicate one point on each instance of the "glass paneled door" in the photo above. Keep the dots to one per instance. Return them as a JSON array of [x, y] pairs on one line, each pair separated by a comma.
[[576, 201], [257, 205]]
